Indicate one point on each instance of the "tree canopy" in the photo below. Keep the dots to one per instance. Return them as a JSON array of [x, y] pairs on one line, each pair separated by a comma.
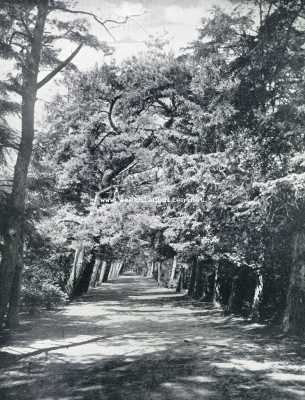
[[197, 158]]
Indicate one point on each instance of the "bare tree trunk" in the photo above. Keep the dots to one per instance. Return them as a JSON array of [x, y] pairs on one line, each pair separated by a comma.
[[122, 267], [173, 271], [12, 320], [155, 271], [216, 291], [192, 284], [118, 269], [96, 270], [107, 270], [102, 273], [150, 270], [182, 281], [230, 306], [112, 271], [257, 298], [294, 315], [77, 270], [200, 281], [159, 273]]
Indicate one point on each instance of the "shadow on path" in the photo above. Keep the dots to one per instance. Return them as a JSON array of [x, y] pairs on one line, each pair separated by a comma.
[[130, 340]]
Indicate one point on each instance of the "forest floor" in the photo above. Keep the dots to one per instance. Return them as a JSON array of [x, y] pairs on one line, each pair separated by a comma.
[[130, 340]]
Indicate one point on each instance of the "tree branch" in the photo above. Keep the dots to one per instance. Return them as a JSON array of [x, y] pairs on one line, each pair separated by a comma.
[[104, 138], [133, 164], [89, 14], [60, 67], [69, 221], [25, 26], [111, 108], [123, 21]]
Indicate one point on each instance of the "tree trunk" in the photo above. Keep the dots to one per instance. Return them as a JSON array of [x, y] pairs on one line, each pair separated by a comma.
[[294, 315], [159, 274], [192, 285], [10, 272], [14, 234], [230, 308], [82, 284], [114, 270], [205, 287], [14, 229], [77, 271], [150, 270], [208, 287], [107, 270], [180, 282], [119, 269], [173, 271], [13, 311], [155, 271], [96, 271], [111, 270], [102, 273], [200, 281], [257, 298], [216, 290]]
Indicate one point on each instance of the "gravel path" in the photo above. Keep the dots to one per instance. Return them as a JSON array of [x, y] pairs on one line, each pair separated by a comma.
[[130, 340]]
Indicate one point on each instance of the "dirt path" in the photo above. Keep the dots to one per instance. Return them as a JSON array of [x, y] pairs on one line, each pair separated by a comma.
[[129, 340]]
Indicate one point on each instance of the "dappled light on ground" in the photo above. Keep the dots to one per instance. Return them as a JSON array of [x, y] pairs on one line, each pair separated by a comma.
[[132, 341]]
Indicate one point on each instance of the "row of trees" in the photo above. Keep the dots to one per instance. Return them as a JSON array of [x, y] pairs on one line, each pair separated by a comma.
[[190, 168]]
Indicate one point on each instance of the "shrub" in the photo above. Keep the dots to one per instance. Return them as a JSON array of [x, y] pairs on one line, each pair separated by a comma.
[[45, 295]]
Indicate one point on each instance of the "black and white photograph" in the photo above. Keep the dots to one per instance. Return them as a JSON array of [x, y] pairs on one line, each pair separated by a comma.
[[152, 199]]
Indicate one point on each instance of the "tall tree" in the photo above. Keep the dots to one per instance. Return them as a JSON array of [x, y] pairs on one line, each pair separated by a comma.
[[29, 32]]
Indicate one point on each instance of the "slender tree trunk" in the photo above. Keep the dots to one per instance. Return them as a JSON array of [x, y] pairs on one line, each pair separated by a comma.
[[216, 290], [257, 298], [173, 271], [121, 268], [155, 271], [180, 282], [159, 273], [150, 270], [294, 315]]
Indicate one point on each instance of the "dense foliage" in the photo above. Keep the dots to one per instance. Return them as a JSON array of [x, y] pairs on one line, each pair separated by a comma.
[[197, 158]]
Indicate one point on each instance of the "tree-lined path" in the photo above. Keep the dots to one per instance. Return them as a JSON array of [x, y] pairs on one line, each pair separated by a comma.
[[132, 340]]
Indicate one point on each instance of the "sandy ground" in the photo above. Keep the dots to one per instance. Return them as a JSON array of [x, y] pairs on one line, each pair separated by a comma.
[[130, 340]]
